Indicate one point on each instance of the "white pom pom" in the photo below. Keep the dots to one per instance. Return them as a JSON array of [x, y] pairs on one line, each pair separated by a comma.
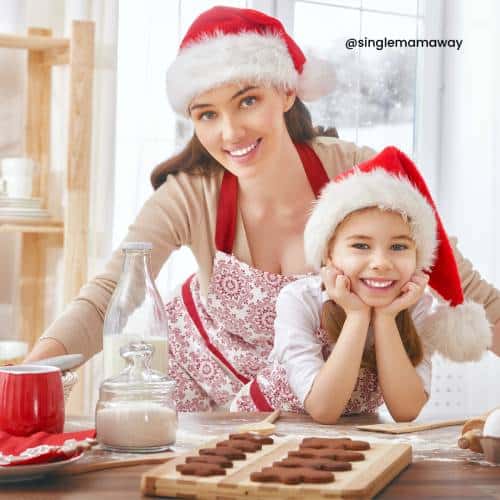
[[316, 80], [460, 333]]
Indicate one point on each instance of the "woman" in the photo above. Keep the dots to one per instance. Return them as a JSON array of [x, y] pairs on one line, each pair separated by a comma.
[[239, 196]]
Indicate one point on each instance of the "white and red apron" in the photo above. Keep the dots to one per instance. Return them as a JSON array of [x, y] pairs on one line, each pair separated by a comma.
[[219, 346]]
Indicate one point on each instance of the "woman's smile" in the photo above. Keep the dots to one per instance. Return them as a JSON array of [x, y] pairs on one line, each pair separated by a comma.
[[244, 154], [242, 126]]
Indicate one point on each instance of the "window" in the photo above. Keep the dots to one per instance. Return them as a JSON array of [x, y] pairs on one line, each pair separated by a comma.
[[379, 93]]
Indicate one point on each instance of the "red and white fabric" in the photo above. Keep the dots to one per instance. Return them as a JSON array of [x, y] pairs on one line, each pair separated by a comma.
[[220, 343], [301, 348]]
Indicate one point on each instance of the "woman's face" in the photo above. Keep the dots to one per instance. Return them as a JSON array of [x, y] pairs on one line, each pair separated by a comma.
[[242, 125], [375, 250]]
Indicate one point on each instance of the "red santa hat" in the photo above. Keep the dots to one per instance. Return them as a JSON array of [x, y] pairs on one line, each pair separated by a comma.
[[459, 330], [227, 44]]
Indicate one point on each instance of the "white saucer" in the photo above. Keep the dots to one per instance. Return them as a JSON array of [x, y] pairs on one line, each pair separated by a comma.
[[15, 473]]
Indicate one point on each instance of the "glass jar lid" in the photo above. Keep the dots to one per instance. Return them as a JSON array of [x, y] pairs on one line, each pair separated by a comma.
[[137, 380]]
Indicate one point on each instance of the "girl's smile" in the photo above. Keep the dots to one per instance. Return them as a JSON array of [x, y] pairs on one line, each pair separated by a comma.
[[375, 250]]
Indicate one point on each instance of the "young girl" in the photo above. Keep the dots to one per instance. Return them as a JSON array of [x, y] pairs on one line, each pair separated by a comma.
[[362, 332]]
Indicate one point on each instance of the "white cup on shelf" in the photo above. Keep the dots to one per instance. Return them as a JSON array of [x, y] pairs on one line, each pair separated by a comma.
[[17, 177]]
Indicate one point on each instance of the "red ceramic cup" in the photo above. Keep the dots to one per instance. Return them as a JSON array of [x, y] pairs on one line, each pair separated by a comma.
[[31, 399]]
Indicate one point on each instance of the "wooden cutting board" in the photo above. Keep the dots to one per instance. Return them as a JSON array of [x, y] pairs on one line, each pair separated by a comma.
[[406, 427], [382, 464]]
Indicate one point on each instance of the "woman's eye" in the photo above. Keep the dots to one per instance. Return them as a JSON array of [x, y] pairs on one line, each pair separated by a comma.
[[360, 246], [206, 115], [399, 247], [248, 101]]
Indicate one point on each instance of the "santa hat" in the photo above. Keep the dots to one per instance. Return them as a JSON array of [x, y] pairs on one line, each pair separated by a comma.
[[227, 44], [459, 330]]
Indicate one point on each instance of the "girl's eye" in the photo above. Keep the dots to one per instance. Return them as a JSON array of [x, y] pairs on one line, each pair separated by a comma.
[[206, 115], [399, 247], [360, 246], [248, 101]]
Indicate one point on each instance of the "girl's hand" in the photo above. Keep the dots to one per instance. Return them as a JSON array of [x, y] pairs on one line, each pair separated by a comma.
[[411, 293], [338, 288]]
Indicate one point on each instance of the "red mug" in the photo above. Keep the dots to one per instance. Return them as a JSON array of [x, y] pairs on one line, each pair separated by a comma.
[[31, 399]]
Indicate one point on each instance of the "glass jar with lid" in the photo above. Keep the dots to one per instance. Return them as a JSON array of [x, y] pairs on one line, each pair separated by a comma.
[[136, 409]]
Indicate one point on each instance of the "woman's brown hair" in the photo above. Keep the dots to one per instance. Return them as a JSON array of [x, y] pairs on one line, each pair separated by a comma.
[[194, 158], [332, 321]]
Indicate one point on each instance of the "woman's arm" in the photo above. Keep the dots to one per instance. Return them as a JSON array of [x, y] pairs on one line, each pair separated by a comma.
[[46, 348], [164, 220], [480, 291], [336, 380], [401, 385]]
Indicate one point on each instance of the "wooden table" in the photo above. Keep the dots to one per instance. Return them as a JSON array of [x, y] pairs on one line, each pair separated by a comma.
[[439, 468]]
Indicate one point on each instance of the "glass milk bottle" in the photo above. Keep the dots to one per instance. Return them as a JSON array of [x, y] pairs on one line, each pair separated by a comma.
[[135, 312]]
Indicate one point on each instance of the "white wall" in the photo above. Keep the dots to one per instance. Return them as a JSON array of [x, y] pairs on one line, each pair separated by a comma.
[[469, 185]]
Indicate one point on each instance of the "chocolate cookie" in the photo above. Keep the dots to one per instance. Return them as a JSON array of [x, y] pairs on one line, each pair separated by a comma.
[[331, 453], [291, 475], [248, 436], [335, 443], [224, 451], [240, 444], [314, 463], [211, 459], [200, 469]]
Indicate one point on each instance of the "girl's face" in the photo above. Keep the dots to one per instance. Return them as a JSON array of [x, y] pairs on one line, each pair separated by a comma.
[[375, 250], [242, 125]]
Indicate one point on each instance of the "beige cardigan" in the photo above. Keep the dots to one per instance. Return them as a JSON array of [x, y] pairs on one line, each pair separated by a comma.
[[183, 212]]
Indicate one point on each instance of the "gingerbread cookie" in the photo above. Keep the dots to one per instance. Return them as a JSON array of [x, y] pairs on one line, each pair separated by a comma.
[[291, 475], [319, 443], [358, 445], [224, 451], [314, 463], [211, 459], [200, 469], [331, 453], [248, 436], [340, 443], [240, 444]]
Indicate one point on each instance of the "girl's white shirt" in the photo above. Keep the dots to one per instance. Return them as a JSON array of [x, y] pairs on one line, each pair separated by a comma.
[[296, 345]]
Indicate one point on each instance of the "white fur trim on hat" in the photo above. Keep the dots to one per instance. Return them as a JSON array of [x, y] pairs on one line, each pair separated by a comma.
[[213, 61], [316, 80], [460, 333], [378, 188]]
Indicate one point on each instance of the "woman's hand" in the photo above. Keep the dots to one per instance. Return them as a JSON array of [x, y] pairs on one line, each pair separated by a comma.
[[338, 288], [411, 293]]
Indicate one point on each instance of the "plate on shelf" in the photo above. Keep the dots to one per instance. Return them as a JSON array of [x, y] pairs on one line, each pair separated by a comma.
[[23, 213], [6, 202], [16, 473]]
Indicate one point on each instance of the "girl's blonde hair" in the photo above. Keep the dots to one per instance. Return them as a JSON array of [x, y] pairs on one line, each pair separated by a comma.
[[333, 317]]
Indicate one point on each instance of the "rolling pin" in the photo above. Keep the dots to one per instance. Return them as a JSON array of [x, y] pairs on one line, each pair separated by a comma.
[[470, 440], [472, 430]]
